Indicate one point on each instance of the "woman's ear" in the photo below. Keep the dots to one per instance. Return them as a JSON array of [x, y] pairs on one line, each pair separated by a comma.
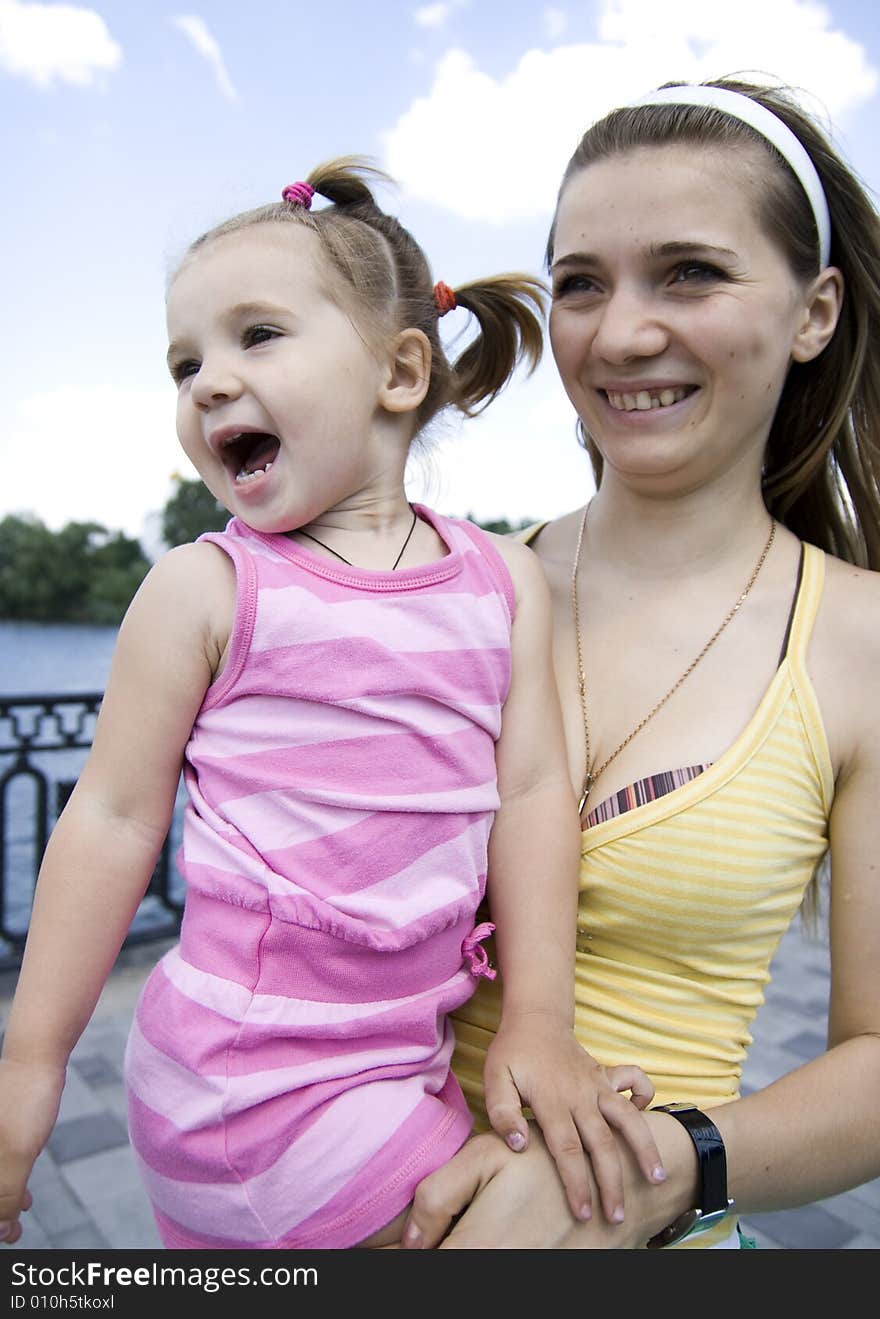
[[822, 312], [409, 372]]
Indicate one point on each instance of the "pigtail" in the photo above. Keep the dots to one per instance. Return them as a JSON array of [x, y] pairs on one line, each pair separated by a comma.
[[347, 180], [509, 310]]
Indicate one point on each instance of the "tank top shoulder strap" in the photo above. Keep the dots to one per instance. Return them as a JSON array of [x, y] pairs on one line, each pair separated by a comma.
[[805, 606], [528, 534]]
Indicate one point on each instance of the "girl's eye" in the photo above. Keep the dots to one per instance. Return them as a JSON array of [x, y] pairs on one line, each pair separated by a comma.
[[257, 334], [180, 370]]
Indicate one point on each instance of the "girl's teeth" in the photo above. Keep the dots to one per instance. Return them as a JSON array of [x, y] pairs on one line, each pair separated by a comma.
[[244, 478]]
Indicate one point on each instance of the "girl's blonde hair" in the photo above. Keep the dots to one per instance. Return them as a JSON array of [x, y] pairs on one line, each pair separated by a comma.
[[384, 279]]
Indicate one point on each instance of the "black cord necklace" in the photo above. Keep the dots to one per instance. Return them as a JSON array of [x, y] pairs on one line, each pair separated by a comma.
[[412, 528]]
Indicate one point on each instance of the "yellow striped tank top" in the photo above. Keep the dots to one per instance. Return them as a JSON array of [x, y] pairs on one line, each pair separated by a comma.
[[683, 900]]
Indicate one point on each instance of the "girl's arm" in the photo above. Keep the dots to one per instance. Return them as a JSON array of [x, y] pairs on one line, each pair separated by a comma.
[[102, 852], [534, 858]]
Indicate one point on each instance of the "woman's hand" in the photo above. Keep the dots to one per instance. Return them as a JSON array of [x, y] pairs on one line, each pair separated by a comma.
[[536, 1060], [30, 1094], [508, 1201]]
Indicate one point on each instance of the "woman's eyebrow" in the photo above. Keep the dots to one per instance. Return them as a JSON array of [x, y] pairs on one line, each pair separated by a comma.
[[681, 247], [575, 259], [676, 247]]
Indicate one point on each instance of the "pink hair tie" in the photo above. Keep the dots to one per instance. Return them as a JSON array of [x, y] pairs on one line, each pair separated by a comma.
[[444, 298], [298, 194]]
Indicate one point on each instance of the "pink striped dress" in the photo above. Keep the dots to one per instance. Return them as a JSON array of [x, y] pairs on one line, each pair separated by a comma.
[[288, 1066]]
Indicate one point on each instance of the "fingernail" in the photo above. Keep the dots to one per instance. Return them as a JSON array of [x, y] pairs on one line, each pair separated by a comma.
[[617, 1216], [585, 1213], [5, 1229], [412, 1237], [659, 1174], [516, 1140]]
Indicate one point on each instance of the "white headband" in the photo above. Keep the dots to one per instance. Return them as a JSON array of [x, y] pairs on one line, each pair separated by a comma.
[[771, 127]]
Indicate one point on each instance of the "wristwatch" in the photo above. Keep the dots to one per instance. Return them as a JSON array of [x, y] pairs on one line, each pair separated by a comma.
[[714, 1203]]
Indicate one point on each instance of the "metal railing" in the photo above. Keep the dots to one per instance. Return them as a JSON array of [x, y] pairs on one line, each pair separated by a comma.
[[44, 741]]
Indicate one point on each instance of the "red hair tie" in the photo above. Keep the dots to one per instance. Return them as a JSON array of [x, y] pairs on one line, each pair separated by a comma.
[[298, 194], [444, 298]]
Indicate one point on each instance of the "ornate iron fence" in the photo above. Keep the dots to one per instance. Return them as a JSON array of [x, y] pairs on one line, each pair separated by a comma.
[[44, 741]]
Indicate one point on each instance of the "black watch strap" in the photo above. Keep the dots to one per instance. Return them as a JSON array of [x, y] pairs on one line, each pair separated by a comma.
[[712, 1164]]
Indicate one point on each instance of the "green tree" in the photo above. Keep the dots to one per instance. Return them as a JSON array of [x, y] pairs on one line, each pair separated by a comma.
[[501, 526], [191, 510], [80, 574]]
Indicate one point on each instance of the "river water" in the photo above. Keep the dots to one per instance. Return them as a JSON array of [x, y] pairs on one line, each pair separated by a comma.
[[51, 659]]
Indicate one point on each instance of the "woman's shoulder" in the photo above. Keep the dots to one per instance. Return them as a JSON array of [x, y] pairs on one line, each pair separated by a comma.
[[851, 605], [844, 656]]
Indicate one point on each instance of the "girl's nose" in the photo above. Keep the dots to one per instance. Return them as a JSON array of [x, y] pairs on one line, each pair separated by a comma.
[[214, 382], [629, 327]]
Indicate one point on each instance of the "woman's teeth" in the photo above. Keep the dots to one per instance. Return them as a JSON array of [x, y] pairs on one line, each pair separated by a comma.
[[243, 477], [645, 400]]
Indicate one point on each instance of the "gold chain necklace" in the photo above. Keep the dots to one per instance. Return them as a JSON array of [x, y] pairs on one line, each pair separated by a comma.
[[592, 774]]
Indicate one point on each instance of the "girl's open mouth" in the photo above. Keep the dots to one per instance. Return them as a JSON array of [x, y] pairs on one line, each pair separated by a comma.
[[249, 455]]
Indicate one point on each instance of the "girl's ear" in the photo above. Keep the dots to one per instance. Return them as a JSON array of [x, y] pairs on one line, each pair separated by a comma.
[[409, 372], [822, 312]]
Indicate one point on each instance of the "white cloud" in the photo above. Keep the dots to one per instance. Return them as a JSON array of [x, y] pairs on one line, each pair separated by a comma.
[[196, 30], [432, 15], [555, 22], [518, 459], [110, 453], [506, 141], [48, 42]]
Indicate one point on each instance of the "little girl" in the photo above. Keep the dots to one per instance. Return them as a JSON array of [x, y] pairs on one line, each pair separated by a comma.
[[331, 671]]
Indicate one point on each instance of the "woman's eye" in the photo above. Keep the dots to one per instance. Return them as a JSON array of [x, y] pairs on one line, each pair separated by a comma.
[[257, 334], [696, 272], [565, 285]]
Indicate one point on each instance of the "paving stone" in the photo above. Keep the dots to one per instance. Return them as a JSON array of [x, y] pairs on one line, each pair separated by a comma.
[[57, 1209], [126, 1222], [807, 1044], [102, 1176], [86, 1135], [81, 1238], [810, 1227], [78, 1100], [95, 1069], [34, 1236]]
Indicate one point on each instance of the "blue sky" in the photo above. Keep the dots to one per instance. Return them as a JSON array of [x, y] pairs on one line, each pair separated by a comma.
[[130, 128]]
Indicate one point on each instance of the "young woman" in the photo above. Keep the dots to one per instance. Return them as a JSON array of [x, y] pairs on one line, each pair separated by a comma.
[[715, 270]]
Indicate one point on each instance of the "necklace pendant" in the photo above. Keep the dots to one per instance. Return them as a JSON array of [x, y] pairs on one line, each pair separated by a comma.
[[582, 804]]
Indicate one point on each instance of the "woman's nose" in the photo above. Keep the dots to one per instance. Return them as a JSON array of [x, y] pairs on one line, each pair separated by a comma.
[[629, 327]]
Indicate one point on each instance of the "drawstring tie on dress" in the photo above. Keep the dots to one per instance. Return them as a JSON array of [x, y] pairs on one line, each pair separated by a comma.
[[474, 951]]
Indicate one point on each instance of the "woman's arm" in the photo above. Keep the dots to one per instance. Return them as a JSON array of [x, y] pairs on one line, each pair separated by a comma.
[[534, 856], [104, 847], [813, 1133]]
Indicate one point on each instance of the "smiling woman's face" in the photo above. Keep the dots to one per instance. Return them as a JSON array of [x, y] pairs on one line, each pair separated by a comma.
[[674, 316]]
